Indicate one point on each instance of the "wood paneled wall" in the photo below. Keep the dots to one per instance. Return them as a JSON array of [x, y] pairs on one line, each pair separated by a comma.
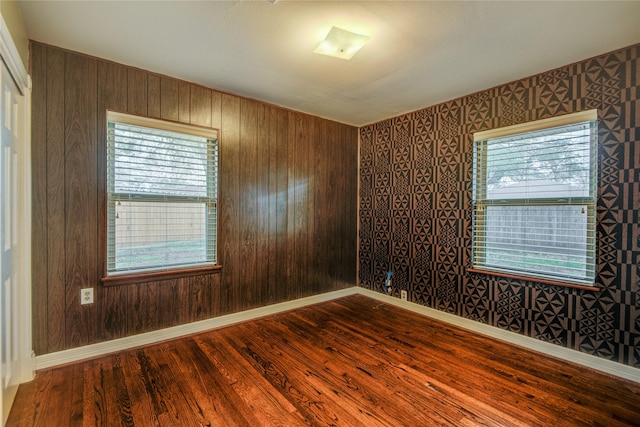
[[287, 202]]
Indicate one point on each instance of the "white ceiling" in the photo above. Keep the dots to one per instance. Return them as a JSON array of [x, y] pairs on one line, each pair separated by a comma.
[[420, 53]]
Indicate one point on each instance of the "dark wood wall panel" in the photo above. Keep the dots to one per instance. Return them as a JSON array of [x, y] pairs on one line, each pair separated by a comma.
[[184, 102], [282, 198], [301, 203], [348, 226], [229, 201], [138, 298], [287, 202], [112, 95], [80, 193], [248, 202], [137, 92], [271, 248], [199, 297], [318, 245], [153, 96], [263, 162], [39, 244], [216, 110], [292, 181], [169, 95], [55, 191], [200, 106]]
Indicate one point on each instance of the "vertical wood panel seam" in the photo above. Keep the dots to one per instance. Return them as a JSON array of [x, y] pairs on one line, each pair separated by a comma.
[[99, 292], [64, 197], [46, 198], [54, 134]]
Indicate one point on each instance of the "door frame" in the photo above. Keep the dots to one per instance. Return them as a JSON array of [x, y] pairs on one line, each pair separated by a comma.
[[24, 369]]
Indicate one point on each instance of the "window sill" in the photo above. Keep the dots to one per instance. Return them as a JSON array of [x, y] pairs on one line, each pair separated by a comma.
[[130, 279], [534, 279]]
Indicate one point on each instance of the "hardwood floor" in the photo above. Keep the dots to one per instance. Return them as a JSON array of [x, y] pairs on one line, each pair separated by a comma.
[[349, 362]]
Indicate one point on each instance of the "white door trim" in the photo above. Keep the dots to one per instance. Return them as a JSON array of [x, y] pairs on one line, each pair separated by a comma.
[[11, 57], [23, 369]]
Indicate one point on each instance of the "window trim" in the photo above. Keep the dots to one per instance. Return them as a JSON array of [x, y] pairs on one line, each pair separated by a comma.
[[162, 273], [590, 202], [152, 276], [488, 272], [163, 124], [567, 119]]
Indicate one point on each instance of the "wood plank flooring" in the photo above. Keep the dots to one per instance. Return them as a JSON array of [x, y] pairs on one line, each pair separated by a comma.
[[349, 362]]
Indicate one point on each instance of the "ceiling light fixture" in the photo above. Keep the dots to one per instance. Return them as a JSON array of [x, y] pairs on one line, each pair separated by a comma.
[[341, 43]]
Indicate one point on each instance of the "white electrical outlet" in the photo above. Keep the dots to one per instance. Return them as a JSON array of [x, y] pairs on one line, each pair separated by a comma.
[[86, 296], [403, 295], [389, 288]]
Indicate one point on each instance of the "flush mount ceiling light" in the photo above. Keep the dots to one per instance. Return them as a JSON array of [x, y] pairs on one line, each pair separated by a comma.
[[341, 43]]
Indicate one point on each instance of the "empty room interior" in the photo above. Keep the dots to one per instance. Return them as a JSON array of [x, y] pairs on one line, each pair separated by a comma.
[[325, 213]]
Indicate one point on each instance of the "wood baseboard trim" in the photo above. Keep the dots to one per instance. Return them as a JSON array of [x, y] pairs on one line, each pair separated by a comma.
[[554, 350], [95, 350], [100, 349]]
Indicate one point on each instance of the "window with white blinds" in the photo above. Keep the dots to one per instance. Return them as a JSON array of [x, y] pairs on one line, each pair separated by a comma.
[[162, 195], [534, 199]]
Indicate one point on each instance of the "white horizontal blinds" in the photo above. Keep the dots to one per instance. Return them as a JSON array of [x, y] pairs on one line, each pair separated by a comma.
[[162, 196], [148, 161], [551, 241], [535, 201], [547, 164]]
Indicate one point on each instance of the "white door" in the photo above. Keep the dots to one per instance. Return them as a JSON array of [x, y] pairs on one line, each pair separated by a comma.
[[9, 238]]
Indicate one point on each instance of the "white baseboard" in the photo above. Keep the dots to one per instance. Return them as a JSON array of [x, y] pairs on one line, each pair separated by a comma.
[[584, 359], [103, 348], [119, 344]]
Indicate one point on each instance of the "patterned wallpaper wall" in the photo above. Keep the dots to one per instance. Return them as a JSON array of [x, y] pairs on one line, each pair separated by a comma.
[[415, 208]]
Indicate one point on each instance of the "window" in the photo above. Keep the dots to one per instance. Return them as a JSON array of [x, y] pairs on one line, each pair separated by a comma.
[[162, 189], [534, 199]]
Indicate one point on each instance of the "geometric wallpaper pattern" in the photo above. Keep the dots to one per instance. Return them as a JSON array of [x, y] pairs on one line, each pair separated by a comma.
[[415, 208]]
